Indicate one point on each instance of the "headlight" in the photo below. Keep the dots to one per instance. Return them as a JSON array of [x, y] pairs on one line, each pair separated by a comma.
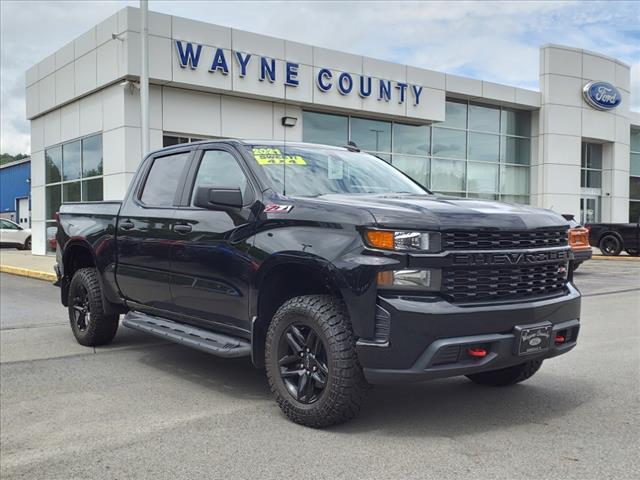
[[404, 241], [419, 279]]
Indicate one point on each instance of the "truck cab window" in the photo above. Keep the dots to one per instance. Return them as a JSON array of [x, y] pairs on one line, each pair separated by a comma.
[[219, 169], [163, 180]]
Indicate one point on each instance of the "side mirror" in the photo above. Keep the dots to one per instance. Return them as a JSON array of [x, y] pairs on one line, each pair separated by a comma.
[[218, 198]]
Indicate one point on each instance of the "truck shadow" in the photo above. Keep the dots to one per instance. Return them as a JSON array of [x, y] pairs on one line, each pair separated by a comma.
[[448, 407], [456, 406], [231, 376]]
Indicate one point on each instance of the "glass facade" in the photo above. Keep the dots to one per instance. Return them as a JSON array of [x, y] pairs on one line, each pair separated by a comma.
[[479, 151], [591, 172], [634, 178], [73, 173]]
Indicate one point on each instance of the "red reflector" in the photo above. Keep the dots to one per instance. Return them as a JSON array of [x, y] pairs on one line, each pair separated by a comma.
[[477, 352], [560, 339]]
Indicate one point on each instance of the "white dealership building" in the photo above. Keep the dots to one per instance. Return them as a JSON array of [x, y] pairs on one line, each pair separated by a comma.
[[573, 146]]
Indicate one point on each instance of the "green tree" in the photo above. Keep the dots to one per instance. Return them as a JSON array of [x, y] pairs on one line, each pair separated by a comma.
[[8, 158]]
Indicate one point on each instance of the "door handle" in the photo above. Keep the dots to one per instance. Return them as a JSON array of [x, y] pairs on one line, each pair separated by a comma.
[[127, 225], [182, 228]]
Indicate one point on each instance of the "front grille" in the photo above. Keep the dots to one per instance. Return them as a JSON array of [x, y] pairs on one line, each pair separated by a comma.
[[465, 285], [504, 239]]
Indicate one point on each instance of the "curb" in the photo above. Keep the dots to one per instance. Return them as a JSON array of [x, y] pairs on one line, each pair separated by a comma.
[[25, 272], [626, 258]]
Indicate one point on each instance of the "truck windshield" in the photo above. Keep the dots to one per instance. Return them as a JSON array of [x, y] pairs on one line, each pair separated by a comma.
[[315, 171]]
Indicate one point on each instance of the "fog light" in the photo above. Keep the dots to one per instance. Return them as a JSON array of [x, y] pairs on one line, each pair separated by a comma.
[[416, 279]]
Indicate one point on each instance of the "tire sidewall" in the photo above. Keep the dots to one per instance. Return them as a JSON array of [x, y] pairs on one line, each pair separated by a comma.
[[618, 245], [281, 321], [102, 327]]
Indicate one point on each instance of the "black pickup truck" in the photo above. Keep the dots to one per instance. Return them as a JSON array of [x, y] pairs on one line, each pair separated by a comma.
[[613, 238], [327, 266]]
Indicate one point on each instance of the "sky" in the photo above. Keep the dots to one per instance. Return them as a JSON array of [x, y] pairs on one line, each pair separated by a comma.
[[494, 41]]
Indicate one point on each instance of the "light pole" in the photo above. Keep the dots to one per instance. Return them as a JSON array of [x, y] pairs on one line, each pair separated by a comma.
[[144, 76]]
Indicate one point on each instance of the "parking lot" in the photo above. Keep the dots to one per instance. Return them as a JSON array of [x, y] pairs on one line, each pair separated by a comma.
[[142, 408]]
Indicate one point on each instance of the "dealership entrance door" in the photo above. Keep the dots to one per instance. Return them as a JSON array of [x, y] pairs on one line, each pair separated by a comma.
[[23, 216], [589, 209]]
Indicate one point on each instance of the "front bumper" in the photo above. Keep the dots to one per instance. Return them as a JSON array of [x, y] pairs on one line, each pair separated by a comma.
[[428, 337], [580, 256]]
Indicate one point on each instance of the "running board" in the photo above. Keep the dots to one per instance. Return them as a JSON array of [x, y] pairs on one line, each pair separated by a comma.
[[211, 342]]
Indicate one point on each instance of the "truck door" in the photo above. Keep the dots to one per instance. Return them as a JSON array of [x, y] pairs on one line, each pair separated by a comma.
[[144, 231], [211, 265]]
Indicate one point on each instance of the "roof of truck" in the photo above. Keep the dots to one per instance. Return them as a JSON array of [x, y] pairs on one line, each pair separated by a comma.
[[248, 142]]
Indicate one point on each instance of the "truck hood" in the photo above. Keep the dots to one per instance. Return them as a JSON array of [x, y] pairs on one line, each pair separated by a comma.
[[447, 213]]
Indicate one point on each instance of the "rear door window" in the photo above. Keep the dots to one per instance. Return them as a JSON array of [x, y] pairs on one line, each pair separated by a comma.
[[163, 180]]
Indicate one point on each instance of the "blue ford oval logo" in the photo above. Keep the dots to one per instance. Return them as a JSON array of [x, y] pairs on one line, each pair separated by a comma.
[[602, 95]]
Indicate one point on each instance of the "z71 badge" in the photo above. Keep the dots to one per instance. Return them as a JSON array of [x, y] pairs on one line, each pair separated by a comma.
[[274, 208]]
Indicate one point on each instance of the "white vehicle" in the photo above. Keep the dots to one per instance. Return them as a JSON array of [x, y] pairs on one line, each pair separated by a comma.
[[13, 235]]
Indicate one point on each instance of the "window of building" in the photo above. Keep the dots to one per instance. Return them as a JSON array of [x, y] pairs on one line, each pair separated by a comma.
[[479, 151], [634, 178], [484, 147], [53, 164], [455, 114], [73, 173], [325, 129], [449, 143], [484, 118], [371, 135], [162, 181], [170, 140], [71, 160], [591, 172], [411, 139]]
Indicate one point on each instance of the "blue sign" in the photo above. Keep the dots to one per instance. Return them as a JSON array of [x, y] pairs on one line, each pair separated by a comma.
[[189, 56], [602, 95]]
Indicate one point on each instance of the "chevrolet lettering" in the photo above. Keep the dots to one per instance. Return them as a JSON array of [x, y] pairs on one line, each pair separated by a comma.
[[510, 258], [326, 266]]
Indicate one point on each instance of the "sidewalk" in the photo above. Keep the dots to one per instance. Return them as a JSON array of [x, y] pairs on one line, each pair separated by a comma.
[[23, 263]]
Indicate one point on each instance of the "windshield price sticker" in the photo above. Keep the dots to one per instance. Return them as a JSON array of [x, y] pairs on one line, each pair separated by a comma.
[[273, 156]]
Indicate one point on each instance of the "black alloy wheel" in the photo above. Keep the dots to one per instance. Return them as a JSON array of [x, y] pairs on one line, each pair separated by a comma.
[[311, 361], [610, 245], [89, 323], [81, 309], [302, 358]]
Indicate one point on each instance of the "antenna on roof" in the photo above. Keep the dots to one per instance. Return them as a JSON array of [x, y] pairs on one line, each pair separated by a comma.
[[351, 146]]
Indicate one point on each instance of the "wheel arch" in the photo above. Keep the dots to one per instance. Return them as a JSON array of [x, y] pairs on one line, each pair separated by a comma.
[[78, 254], [281, 279]]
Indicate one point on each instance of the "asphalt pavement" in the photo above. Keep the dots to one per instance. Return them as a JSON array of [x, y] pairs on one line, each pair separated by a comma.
[[142, 408]]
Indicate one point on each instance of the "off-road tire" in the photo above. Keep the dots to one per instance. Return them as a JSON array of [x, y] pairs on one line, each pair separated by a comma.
[[610, 245], [345, 385], [101, 328], [507, 376], [26, 245]]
